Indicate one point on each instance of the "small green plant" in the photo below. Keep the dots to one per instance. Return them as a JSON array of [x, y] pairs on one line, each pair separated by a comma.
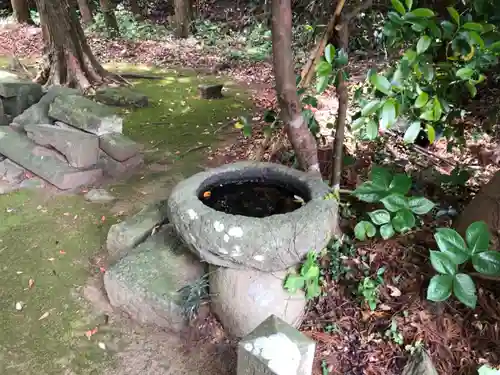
[[453, 255], [458, 177], [368, 288], [399, 210], [338, 249], [308, 278], [393, 333], [487, 370], [192, 296], [416, 347]]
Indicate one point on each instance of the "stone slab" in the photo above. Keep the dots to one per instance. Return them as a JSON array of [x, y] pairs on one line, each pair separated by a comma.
[[18, 96], [11, 172], [118, 146], [124, 236], [10, 88], [210, 91], [115, 168], [235, 290], [121, 97], [275, 348], [81, 149], [85, 114], [47, 164], [39, 113], [146, 284]]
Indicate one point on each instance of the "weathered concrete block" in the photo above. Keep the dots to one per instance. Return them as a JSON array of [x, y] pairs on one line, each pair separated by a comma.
[[81, 149], [118, 146], [210, 91], [115, 168], [124, 236], [146, 283], [44, 163], [235, 290], [121, 97], [39, 113], [85, 114], [275, 348]]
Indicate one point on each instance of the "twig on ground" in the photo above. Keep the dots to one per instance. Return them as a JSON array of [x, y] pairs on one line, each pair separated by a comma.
[[196, 148]]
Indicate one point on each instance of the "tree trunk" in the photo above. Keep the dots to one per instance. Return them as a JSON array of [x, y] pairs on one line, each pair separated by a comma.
[[301, 138], [109, 17], [137, 9], [22, 11], [85, 11], [68, 58], [183, 17]]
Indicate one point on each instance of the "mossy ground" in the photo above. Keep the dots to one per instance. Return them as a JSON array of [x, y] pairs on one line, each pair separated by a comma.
[[49, 239]]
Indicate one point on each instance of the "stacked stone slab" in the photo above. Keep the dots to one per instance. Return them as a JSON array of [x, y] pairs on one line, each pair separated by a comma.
[[60, 136]]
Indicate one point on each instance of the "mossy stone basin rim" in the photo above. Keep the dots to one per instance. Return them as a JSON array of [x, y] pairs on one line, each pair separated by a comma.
[[271, 243]]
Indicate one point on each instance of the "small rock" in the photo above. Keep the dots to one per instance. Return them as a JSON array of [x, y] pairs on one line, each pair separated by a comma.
[[99, 195], [243, 298], [19, 306], [210, 91], [11, 172]]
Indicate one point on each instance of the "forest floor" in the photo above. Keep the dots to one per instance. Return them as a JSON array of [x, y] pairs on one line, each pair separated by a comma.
[[352, 340]]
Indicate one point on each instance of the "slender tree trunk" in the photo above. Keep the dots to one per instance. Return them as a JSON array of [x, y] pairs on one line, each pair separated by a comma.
[[68, 58], [301, 138], [109, 17], [22, 11], [183, 17], [137, 9], [85, 11]]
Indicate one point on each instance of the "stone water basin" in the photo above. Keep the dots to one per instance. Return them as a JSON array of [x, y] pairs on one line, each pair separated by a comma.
[[256, 215]]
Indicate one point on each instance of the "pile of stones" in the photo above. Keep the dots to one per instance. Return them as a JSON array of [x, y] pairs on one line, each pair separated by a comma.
[[59, 137]]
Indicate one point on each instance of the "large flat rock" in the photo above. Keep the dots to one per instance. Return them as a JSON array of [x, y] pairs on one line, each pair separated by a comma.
[[115, 168], [38, 113], [48, 165], [81, 149], [85, 114], [18, 96], [147, 283]]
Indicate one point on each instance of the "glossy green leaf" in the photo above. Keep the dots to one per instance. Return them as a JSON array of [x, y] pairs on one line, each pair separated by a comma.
[[495, 46], [409, 4], [400, 183], [412, 132], [431, 133], [421, 100], [322, 83], [380, 217], [438, 109], [422, 12], [358, 123], [423, 44], [371, 107], [387, 115], [442, 263], [323, 68], [420, 205], [477, 237], [487, 370], [364, 230], [330, 53], [403, 221], [474, 36], [454, 15], [472, 89], [380, 177], [465, 290], [342, 58], [399, 6], [464, 73], [473, 26], [440, 288], [371, 130], [487, 262], [450, 242], [427, 115], [368, 192], [395, 202], [448, 29], [387, 231], [381, 83]]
